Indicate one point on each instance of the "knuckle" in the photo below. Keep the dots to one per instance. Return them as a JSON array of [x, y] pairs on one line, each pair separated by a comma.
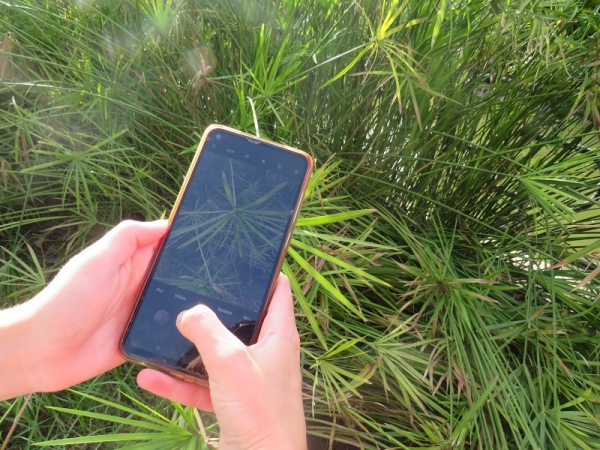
[[292, 340], [238, 355], [127, 223], [295, 342], [126, 226]]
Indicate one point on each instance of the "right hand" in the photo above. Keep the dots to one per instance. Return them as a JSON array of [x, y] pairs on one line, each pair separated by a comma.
[[256, 391]]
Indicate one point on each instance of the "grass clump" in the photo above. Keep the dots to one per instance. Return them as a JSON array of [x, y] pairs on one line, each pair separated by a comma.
[[445, 264]]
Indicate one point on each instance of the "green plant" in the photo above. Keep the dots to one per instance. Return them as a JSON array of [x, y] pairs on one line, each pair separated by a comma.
[[445, 263], [184, 430]]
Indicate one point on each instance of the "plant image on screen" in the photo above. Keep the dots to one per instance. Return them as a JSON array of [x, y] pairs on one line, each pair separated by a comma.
[[228, 231]]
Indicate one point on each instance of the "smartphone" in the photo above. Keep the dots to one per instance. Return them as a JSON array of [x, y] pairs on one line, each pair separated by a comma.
[[227, 238]]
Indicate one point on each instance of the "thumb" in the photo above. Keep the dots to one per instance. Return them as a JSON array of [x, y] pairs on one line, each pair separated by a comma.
[[220, 350]]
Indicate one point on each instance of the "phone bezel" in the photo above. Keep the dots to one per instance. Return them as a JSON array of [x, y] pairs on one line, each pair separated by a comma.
[[201, 146]]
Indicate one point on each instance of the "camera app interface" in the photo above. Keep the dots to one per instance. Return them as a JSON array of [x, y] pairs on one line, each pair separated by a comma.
[[222, 248]]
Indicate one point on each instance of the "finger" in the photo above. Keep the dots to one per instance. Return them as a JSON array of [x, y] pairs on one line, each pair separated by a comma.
[[120, 243], [138, 270], [179, 391], [280, 320], [220, 350]]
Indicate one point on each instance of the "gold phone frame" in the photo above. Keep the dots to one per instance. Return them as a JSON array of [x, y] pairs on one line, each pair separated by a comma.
[[170, 370]]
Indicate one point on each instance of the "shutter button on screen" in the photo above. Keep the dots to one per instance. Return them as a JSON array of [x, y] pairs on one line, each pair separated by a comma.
[[161, 317]]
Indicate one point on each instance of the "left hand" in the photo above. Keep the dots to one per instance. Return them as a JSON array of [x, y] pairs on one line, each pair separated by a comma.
[[73, 327]]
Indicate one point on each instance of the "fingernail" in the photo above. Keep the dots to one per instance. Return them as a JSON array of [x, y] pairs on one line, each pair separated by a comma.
[[201, 308]]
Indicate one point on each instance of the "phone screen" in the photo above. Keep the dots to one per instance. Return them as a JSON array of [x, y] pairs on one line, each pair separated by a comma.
[[223, 246]]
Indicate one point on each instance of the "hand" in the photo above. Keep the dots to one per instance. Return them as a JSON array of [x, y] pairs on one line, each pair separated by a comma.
[[73, 327], [256, 391]]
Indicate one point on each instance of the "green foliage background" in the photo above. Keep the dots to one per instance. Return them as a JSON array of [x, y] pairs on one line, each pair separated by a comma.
[[445, 265]]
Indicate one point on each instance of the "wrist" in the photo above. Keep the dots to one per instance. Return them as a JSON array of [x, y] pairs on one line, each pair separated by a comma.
[[274, 441], [17, 350]]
